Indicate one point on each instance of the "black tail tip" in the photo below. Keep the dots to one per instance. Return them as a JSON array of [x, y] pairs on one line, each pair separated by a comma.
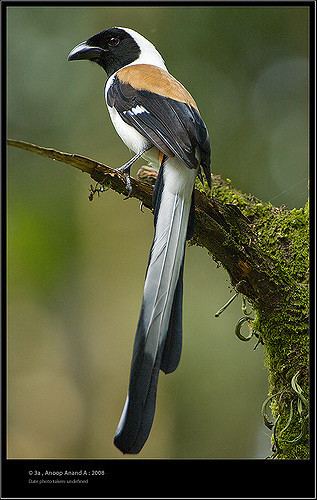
[[125, 447]]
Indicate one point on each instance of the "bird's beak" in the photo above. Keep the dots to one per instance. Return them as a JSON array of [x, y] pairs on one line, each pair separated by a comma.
[[84, 51]]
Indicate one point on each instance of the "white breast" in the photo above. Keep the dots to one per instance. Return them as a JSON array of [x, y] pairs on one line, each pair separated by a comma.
[[131, 137]]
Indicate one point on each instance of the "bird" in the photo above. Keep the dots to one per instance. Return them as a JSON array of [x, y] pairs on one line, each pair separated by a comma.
[[158, 120]]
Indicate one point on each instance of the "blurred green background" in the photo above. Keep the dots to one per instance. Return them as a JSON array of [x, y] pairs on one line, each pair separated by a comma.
[[76, 269]]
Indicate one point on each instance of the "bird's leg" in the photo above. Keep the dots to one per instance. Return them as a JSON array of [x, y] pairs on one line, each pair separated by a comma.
[[200, 176], [126, 169]]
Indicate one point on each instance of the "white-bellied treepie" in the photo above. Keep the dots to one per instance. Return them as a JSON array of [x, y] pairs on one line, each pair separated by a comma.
[[159, 120]]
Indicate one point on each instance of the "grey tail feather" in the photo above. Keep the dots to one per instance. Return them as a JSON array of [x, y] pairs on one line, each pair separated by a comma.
[[173, 344], [161, 302]]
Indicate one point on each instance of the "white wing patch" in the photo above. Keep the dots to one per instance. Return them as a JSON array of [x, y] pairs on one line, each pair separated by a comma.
[[138, 110]]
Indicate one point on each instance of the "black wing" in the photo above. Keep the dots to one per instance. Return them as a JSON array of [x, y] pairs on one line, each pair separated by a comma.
[[173, 127]]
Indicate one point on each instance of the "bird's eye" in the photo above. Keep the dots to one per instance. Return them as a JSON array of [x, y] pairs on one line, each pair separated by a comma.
[[114, 41]]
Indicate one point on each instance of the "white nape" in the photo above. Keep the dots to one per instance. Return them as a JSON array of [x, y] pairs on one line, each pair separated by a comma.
[[149, 54]]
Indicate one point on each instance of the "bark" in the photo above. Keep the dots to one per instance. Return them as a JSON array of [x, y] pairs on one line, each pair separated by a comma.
[[265, 250]]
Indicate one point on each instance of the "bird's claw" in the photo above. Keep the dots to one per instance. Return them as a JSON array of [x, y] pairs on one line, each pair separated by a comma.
[[125, 170], [128, 186]]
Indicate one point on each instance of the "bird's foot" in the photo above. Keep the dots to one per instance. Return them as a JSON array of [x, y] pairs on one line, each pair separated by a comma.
[[126, 170]]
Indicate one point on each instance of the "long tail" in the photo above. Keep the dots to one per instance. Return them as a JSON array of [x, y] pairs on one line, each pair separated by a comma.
[[173, 344], [157, 346]]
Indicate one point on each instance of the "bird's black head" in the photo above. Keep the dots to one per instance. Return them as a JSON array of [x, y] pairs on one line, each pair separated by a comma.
[[111, 49]]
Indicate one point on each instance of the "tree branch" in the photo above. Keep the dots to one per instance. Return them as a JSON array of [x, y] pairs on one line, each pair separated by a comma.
[[98, 171], [265, 250], [218, 226]]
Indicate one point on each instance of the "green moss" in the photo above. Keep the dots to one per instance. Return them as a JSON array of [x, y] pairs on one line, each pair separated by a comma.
[[282, 235], [285, 333]]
